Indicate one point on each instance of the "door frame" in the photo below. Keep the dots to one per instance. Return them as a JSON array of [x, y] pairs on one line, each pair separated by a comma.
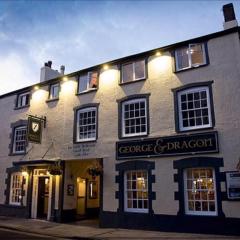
[[86, 192]]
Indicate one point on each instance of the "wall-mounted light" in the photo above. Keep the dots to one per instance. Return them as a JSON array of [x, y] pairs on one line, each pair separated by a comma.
[[158, 53], [36, 87], [105, 67], [24, 172], [65, 79]]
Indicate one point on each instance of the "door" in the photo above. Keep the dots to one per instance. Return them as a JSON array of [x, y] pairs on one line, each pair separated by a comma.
[[81, 196], [43, 196]]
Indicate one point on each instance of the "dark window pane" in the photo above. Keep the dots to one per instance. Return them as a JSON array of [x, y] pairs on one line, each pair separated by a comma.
[[205, 120], [184, 115], [190, 96], [204, 103], [190, 105], [197, 104], [185, 123], [196, 96], [198, 113], [203, 94], [192, 122], [184, 106], [198, 121], [191, 114]]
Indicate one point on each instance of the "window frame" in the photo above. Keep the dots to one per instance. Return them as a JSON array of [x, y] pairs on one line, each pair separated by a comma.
[[19, 101], [135, 210], [200, 213], [20, 188], [77, 110], [133, 67], [190, 65], [88, 73], [14, 140], [122, 118], [51, 98]]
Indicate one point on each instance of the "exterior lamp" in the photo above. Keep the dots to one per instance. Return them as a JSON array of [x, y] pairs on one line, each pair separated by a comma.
[[36, 87], [105, 67], [158, 53], [65, 79], [24, 172]]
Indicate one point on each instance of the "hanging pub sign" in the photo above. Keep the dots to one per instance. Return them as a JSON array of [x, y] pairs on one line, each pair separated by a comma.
[[168, 146], [34, 129], [233, 185]]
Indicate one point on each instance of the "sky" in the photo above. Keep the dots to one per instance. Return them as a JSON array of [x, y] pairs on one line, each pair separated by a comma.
[[80, 34]]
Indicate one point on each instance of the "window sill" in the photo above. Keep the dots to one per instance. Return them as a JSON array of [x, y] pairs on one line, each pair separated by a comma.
[[87, 141], [85, 92], [26, 106], [194, 130], [16, 154], [134, 81], [52, 100], [191, 68], [136, 136]]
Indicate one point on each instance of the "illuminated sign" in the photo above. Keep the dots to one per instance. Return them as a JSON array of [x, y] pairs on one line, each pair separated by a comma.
[[168, 146], [34, 129]]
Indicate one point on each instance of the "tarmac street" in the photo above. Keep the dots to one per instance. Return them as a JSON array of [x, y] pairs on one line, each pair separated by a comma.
[[18, 228]]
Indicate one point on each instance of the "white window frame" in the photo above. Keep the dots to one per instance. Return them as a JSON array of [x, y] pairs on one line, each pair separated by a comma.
[[180, 118], [83, 110], [52, 86], [14, 139], [136, 210], [200, 213], [134, 72], [124, 134], [88, 81], [190, 65], [19, 174], [22, 99]]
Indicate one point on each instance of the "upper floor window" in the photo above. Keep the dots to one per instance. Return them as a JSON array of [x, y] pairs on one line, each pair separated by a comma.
[[200, 191], [20, 139], [86, 125], [134, 117], [194, 108], [193, 55], [88, 82], [23, 99], [133, 71], [16, 188], [54, 91], [136, 191]]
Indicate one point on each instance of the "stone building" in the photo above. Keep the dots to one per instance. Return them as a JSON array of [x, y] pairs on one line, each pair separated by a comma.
[[148, 141]]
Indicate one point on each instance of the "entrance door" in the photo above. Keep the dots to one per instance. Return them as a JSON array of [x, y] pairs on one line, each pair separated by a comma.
[[81, 196], [43, 196]]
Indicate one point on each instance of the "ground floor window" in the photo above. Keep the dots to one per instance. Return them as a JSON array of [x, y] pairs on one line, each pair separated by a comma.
[[200, 191], [16, 188], [136, 191]]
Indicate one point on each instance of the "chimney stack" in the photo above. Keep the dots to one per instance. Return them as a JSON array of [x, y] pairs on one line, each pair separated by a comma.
[[229, 16], [47, 72], [62, 70]]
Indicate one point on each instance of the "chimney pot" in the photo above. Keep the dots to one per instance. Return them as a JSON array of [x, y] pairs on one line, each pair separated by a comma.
[[50, 64], [62, 69], [228, 12]]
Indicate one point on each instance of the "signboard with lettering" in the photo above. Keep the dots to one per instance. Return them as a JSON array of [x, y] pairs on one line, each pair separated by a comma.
[[34, 129], [233, 185], [168, 146]]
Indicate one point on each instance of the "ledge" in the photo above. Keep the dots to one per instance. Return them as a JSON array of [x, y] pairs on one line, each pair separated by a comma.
[[89, 91], [134, 81]]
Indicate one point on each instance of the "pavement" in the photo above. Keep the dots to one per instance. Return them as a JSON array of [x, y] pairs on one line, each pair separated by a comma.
[[89, 230]]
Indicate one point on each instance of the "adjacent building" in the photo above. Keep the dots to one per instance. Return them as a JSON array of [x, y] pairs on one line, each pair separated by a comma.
[[148, 141]]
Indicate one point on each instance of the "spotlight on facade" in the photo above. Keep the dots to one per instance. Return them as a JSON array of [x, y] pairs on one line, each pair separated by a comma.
[[36, 87], [105, 67], [158, 54], [65, 79]]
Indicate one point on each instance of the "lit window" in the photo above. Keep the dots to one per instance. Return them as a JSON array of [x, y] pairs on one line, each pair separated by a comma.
[[87, 82], [54, 91], [194, 108], [134, 117], [23, 100], [86, 124], [200, 191], [133, 71], [19, 143], [191, 56], [136, 191], [16, 188]]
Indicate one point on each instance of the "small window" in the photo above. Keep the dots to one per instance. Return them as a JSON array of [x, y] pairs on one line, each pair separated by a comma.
[[134, 117], [20, 139], [23, 100], [136, 191], [133, 71], [200, 191], [88, 82], [16, 188], [193, 55], [54, 91], [194, 108], [86, 124]]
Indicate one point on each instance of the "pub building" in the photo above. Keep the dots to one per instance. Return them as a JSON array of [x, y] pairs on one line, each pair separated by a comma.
[[148, 141]]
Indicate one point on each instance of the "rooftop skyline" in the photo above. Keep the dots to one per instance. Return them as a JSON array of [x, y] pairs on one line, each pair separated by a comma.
[[80, 34]]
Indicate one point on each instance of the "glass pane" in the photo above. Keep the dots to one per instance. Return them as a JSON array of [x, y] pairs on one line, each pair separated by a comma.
[[139, 69], [93, 79], [83, 83], [182, 58], [127, 72], [197, 54]]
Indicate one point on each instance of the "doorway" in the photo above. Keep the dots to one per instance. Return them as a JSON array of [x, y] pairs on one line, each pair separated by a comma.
[[43, 197], [81, 197]]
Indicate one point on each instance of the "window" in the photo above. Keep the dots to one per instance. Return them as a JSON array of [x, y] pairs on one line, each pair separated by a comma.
[[54, 91], [193, 55], [20, 139], [23, 100], [86, 124], [133, 71], [194, 108], [16, 188], [134, 117], [87, 82], [136, 191], [200, 191]]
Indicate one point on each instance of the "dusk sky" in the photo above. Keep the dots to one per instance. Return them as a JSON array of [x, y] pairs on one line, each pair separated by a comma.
[[80, 34]]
